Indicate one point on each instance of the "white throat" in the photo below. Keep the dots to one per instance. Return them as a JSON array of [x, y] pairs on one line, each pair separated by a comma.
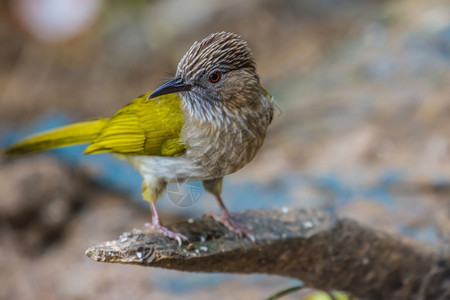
[[206, 111]]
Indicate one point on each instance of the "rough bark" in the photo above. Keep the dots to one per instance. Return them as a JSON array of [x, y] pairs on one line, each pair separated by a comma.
[[324, 252]]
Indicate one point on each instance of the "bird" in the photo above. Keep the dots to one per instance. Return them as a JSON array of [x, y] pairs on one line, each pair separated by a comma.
[[206, 122]]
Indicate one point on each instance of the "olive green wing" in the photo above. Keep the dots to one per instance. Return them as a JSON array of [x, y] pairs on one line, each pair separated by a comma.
[[143, 127]]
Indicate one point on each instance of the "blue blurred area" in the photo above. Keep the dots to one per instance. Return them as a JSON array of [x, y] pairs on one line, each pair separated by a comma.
[[343, 193], [171, 281], [178, 283], [331, 190]]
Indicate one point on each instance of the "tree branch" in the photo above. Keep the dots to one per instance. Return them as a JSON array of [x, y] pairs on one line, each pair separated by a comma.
[[313, 246]]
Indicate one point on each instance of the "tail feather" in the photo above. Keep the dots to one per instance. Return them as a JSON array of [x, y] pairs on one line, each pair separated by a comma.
[[73, 134]]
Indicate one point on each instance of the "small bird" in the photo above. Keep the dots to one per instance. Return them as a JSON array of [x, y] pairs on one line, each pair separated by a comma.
[[209, 121]]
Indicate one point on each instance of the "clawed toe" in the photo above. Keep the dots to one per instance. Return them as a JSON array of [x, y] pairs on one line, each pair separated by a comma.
[[167, 233], [232, 225], [157, 226]]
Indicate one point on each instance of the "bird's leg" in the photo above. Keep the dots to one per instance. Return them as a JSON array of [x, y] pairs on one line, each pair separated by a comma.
[[225, 218], [214, 186], [152, 188], [156, 224]]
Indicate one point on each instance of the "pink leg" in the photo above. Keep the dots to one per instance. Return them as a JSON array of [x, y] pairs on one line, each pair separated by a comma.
[[225, 218], [156, 224]]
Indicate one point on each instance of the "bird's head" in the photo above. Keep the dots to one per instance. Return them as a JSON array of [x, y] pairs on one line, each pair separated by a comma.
[[216, 75]]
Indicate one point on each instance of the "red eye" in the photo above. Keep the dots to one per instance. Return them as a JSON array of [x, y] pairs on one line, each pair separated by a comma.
[[214, 77]]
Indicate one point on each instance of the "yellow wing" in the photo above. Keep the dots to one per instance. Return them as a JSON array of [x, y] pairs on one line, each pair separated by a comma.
[[142, 127], [146, 127]]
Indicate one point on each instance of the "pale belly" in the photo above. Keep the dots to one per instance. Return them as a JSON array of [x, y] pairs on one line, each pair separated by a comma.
[[169, 169]]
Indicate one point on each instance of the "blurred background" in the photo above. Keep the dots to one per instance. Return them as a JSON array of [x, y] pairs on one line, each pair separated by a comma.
[[362, 128]]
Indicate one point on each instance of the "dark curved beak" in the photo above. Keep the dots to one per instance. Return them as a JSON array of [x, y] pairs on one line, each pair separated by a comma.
[[172, 86]]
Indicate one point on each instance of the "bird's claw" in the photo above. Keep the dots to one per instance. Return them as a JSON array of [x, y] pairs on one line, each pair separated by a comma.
[[232, 225], [167, 232]]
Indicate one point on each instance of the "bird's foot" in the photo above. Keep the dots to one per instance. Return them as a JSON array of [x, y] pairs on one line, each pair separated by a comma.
[[226, 219], [167, 232]]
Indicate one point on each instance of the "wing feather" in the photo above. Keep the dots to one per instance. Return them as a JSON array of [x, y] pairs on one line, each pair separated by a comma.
[[143, 127]]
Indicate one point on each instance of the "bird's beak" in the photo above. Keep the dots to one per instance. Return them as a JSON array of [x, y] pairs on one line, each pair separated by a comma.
[[172, 86]]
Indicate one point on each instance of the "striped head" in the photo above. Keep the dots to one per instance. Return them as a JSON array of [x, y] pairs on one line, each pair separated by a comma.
[[216, 78], [219, 52]]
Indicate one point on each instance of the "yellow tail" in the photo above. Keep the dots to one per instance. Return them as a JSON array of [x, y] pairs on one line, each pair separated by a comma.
[[73, 134]]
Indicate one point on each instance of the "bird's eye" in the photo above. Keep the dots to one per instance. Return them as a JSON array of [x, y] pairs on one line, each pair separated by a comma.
[[214, 77]]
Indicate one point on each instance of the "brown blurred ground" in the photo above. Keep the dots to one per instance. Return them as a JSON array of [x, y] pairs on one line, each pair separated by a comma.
[[362, 88]]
